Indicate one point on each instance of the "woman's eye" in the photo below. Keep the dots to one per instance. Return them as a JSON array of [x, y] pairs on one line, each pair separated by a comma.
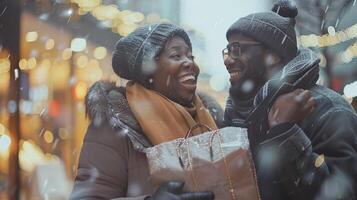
[[191, 57], [176, 56]]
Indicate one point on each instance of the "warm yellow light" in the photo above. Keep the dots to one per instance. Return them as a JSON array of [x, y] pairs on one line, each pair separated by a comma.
[[46, 63], [30, 155], [63, 133], [66, 54], [82, 61], [48, 136], [81, 90], [50, 43], [93, 63], [330, 39], [95, 74], [132, 17], [138, 17], [2, 129], [108, 12], [78, 44], [31, 36], [31, 63], [5, 142], [81, 11], [23, 64], [88, 5], [4, 65], [100, 52], [126, 29], [349, 53], [152, 17]]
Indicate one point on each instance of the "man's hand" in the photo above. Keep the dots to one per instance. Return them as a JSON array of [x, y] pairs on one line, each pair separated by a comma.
[[291, 107]]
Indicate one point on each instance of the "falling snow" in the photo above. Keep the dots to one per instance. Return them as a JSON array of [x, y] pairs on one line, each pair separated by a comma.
[[41, 132], [54, 145], [44, 16], [3, 11], [16, 73], [322, 24], [43, 111]]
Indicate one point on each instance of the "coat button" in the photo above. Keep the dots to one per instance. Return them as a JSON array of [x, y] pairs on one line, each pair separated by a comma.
[[319, 160]]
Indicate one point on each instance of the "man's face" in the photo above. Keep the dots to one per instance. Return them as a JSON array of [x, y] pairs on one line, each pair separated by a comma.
[[245, 62]]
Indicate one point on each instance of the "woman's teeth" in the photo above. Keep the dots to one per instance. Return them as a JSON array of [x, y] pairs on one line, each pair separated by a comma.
[[188, 78]]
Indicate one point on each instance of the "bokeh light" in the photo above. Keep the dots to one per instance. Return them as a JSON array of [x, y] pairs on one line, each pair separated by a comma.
[[78, 44]]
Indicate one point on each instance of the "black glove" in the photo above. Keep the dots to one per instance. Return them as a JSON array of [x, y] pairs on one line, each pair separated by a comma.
[[172, 190]]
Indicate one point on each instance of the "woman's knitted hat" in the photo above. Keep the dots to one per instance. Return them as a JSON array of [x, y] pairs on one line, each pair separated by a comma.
[[134, 55]]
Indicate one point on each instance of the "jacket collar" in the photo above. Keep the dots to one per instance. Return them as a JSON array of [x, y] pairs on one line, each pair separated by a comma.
[[106, 102]]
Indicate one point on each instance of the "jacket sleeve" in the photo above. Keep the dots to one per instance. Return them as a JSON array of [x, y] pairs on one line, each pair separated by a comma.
[[320, 163], [102, 167]]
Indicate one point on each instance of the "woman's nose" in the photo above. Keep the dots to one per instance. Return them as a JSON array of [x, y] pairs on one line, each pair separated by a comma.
[[188, 63]]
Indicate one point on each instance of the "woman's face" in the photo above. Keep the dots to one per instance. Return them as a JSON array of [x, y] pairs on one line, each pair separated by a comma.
[[176, 74]]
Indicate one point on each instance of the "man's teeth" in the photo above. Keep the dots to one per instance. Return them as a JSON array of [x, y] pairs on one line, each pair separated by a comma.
[[234, 75], [188, 78]]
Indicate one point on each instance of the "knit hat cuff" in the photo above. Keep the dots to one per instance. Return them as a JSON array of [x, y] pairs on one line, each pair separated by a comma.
[[266, 33], [134, 55]]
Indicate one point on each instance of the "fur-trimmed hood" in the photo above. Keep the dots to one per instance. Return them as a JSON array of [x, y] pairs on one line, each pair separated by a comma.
[[107, 103]]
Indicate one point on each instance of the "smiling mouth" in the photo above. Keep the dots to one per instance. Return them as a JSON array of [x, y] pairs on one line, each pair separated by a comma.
[[235, 75], [188, 81]]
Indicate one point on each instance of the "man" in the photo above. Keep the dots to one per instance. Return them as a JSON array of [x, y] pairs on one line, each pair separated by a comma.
[[303, 136]]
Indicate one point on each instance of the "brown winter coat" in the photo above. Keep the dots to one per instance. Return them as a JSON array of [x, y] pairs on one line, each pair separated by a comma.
[[112, 162]]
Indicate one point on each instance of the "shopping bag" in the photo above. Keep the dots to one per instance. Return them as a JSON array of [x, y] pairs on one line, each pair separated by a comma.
[[218, 161]]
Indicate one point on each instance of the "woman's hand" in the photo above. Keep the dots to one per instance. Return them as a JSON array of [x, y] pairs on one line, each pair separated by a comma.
[[172, 190], [291, 107]]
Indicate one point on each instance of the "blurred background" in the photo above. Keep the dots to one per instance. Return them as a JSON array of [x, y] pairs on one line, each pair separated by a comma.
[[52, 51]]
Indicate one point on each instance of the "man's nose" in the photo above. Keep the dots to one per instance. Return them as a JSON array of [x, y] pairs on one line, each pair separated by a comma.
[[228, 62]]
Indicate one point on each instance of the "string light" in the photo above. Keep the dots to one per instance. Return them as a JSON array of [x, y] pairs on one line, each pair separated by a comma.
[[350, 53], [82, 61], [80, 90], [330, 39], [23, 64], [50, 43], [66, 54], [31, 36], [48, 136], [122, 22], [31, 63], [4, 65], [100, 52], [78, 44]]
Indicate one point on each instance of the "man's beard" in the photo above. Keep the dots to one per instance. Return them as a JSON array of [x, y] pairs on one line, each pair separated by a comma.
[[249, 84]]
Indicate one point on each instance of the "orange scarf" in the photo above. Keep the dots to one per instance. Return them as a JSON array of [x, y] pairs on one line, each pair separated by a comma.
[[163, 120]]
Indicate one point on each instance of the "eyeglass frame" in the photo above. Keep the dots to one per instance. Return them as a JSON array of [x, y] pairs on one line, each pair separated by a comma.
[[227, 53]]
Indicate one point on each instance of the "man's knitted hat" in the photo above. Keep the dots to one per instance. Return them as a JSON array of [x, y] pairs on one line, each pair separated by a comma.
[[275, 29], [134, 55]]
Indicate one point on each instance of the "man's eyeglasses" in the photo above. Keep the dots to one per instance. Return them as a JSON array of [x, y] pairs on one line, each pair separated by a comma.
[[235, 49]]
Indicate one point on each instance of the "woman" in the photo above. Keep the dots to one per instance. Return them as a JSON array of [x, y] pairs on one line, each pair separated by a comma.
[[158, 104]]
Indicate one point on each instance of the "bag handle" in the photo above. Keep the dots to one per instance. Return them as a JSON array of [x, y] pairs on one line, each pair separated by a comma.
[[198, 125], [188, 134]]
